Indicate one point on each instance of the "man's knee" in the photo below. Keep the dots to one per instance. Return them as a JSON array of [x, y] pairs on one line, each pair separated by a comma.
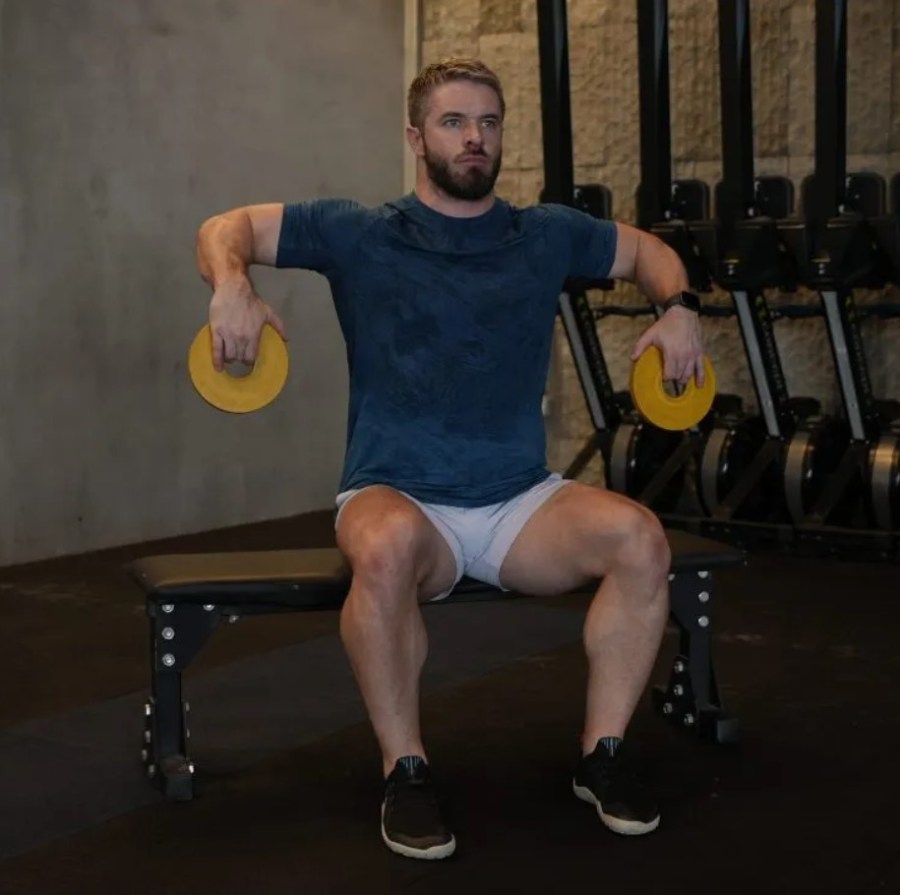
[[384, 547], [386, 539], [642, 542]]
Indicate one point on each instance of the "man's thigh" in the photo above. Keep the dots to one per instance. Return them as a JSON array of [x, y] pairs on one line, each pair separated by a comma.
[[568, 541], [379, 519]]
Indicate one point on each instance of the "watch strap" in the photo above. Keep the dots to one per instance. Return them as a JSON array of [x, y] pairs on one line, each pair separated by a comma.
[[683, 299]]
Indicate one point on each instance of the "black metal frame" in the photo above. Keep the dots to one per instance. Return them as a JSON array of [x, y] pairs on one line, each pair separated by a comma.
[[668, 208], [753, 245], [665, 206], [844, 257], [831, 114], [654, 194], [575, 309], [179, 629], [691, 697], [833, 252], [736, 198], [745, 236], [742, 249], [556, 106]]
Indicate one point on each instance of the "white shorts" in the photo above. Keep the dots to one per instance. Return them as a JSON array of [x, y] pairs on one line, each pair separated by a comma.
[[479, 537]]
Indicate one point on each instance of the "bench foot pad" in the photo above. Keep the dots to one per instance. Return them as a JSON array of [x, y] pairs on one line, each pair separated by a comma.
[[173, 774]]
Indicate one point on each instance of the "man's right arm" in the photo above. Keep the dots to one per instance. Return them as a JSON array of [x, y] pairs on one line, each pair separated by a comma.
[[227, 245]]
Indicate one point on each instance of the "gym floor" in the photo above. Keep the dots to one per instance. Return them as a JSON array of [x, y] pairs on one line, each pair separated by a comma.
[[288, 775]]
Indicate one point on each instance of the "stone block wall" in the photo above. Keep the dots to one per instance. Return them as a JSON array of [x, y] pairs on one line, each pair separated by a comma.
[[605, 106]]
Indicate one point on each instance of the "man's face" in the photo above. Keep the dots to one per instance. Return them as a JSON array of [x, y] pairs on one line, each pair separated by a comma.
[[461, 141]]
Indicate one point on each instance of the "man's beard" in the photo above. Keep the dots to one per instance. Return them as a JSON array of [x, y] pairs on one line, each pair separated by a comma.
[[470, 185]]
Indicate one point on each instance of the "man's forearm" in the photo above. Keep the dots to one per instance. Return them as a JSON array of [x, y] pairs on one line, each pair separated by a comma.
[[225, 247], [658, 271]]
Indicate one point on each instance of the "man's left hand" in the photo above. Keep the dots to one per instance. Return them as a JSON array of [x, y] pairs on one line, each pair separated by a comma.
[[677, 335]]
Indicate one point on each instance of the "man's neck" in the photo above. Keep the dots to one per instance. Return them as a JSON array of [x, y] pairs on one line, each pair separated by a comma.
[[437, 200]]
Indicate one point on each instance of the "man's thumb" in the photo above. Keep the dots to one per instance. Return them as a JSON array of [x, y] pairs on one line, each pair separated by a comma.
[[276, 322], [642, 344]]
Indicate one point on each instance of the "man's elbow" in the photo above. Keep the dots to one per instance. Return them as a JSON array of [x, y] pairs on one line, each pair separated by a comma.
[[628, 248], [203, 240]]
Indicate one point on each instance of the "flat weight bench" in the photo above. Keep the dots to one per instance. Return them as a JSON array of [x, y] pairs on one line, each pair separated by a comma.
[[188, 595]]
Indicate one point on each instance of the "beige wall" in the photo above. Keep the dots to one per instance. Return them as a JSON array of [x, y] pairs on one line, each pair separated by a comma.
[[603, 54]]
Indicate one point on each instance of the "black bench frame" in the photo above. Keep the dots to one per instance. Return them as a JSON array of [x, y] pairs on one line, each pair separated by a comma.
[[189, 595]]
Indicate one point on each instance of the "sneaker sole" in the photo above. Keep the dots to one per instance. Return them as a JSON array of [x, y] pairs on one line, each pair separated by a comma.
[[434, 853], [616, 824]]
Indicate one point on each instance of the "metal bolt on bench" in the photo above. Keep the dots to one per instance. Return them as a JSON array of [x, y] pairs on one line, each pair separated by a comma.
[[188, 595]]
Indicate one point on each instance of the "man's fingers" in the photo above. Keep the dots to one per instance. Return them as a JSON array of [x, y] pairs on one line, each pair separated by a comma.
[[232, 351], [236, 334], [692, 369], [699, 371], [249, 352], [218, 351], [680, 369], [672, 367]]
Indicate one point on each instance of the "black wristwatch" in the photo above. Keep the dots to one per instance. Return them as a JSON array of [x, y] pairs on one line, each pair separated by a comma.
[[683, 299]]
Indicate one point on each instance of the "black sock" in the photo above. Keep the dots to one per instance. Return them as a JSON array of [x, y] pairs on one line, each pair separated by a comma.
[[411, 764], [610, 744]]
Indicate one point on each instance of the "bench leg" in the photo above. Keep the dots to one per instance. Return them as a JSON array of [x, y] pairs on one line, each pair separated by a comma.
[[691, 699], [177, 632]]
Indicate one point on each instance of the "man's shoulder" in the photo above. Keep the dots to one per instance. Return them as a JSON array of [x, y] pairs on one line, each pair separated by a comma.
[[553, 211], [341, 220], [361, 217], [563, 222], [543, 214], [553, 217], [338, 206]]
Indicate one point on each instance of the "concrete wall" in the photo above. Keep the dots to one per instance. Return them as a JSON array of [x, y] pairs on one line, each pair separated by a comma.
[[122, 126], [603, 53]]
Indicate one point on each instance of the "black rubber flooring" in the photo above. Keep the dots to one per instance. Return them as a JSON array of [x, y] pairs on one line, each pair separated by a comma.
[[806, 654]]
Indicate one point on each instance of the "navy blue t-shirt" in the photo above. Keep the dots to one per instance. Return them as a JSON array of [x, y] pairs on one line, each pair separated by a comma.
[[448, 324]]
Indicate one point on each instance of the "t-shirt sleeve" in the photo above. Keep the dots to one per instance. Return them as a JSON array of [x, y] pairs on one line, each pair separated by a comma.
[[315, 235], [592, 243]]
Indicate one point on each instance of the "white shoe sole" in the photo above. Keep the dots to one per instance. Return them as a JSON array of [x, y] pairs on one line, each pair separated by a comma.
[[435, 853], [616, 824]]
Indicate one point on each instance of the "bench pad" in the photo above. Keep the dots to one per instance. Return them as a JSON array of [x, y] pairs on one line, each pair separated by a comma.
[[320, 577]]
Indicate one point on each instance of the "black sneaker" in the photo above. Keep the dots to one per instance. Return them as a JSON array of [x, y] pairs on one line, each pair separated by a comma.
[[411, 822], [607, 780]]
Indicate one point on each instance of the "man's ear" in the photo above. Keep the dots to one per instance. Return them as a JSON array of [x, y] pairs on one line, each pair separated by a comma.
[[414, 138]]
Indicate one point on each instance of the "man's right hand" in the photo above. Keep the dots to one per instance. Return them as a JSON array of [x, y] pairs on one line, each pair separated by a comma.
[[236, 319]]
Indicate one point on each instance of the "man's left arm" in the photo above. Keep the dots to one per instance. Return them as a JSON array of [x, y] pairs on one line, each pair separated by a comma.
[[657, 271]]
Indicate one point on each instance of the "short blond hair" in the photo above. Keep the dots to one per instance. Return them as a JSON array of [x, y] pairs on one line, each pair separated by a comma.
[[438, 73]]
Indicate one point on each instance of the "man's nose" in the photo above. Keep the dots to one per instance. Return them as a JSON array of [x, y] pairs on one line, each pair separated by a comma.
[[473, 134]]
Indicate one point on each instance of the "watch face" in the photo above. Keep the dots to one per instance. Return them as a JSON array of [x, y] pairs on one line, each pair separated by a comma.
[[690, 301], [685, 300]]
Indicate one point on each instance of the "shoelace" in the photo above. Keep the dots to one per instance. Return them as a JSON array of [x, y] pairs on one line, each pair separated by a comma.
[[418, 783], [414, 798], [417, 789], [613, 766]]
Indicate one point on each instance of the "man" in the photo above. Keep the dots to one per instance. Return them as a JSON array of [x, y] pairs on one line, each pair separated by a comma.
[[447, 299]]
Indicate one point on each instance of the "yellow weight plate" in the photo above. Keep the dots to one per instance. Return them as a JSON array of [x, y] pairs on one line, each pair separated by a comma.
[[239, 394], [673, 412]]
